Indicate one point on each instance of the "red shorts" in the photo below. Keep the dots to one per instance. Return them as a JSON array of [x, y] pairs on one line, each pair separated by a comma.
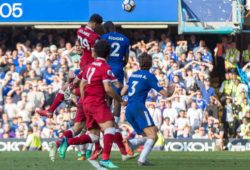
[[96, 114], [80, 115]]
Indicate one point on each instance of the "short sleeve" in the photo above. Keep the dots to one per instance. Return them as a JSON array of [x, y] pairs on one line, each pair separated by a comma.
[[153, 82], [108, 75]]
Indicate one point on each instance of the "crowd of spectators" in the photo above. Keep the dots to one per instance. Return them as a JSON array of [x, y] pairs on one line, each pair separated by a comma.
[[200, 107]]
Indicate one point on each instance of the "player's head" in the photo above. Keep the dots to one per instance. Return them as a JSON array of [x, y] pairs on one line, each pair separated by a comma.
[[95, 20], [102, 49], [109, 26], [145, 61]]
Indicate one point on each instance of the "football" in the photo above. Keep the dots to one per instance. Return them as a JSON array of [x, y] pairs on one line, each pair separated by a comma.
[[128, 5]]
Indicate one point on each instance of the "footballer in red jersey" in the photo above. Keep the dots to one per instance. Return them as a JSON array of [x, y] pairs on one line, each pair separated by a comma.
[[87, 38], [95, 85]]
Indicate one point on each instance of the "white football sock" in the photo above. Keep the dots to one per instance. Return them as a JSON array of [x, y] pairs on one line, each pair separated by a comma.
[[89, 146], [136, 142], [146, 150], [82, 149]]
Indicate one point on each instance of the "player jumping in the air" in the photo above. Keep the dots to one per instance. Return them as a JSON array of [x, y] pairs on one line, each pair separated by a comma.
[[96, 83], [139, 84], [87, 38], [117, 59]]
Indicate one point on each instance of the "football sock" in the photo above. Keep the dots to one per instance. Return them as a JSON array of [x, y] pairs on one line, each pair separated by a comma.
[[82, 149], [146, 150], [69, 133], [117, 119], [98, 146], [79, 140], [109, 135], [57, 101], [119, 141], [136, 142]]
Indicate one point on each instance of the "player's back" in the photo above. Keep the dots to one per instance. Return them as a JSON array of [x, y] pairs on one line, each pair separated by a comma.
[[95, 74], [87, 38], [119, 48], [140, 83]]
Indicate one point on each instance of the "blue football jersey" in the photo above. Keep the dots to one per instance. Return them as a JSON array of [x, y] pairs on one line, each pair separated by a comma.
[[119, 48], [139, 84]]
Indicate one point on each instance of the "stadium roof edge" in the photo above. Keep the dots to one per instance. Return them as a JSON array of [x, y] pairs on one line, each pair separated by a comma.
[[81, 23]]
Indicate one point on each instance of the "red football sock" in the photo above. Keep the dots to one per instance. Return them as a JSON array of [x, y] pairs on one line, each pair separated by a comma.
[[68, 134], [98, 146], [108, 140], [79, 140], [118, 140], [58, 99], [57, 143]]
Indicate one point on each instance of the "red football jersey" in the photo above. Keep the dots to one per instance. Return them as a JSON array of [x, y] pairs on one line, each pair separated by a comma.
[[87, 38], [96, 73]]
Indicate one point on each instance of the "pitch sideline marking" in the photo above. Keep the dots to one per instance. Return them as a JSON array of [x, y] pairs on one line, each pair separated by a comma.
[[96, 165]]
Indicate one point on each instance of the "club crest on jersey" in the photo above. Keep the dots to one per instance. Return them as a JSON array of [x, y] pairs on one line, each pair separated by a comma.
[[110, 73]]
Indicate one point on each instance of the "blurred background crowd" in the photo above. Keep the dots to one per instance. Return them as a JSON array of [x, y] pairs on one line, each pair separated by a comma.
[[209, 99]]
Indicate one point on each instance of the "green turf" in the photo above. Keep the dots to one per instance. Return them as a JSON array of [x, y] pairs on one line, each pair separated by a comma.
[[162, 160]]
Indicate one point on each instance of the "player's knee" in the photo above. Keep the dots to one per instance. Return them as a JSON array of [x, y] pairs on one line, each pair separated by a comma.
[[94, 138], [153, 136]]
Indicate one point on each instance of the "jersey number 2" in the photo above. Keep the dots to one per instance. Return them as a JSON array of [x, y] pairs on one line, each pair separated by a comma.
[[116, 46], [132, 92]]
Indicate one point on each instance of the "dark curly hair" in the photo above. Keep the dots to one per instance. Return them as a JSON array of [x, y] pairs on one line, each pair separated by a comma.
[[145, 61], [102, 48]]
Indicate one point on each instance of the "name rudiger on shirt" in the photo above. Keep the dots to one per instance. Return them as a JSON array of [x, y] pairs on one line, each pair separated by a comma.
[[116, 38]]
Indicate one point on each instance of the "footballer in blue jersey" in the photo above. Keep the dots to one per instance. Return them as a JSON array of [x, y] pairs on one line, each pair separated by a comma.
[[117, 59], [119, 49], [138, 86]]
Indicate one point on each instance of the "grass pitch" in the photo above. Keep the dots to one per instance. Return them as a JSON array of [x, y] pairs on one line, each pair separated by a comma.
[[162, 161]]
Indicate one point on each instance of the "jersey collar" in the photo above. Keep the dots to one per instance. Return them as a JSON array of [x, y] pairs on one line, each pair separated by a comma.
[[99, 58], [89, 28]]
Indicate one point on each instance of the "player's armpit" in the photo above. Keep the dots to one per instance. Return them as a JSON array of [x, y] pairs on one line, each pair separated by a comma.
[[124, 90]]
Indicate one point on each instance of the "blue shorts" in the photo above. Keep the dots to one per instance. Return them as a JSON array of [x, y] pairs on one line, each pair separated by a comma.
[[139, 117]]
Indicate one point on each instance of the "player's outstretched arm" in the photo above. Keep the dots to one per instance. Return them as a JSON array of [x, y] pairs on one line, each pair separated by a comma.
[[111, 93]]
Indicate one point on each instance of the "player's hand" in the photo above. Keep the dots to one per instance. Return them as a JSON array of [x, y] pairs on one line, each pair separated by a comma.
[[124, 103]]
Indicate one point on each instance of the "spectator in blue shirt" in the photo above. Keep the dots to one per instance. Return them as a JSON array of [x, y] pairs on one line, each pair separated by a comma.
[[21, 67], [48, 76], [207, 91], [207, 56]]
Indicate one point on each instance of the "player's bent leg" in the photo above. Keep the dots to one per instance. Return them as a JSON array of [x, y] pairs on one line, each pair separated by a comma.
[[83, 139], [108, 139], [57, 101], [117, 111], [151, 134], [98, 149]]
